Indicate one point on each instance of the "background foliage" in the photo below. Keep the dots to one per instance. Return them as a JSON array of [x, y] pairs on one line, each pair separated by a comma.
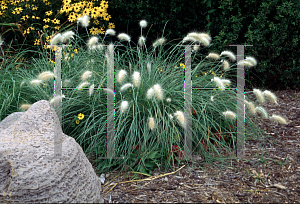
[[271, 26]]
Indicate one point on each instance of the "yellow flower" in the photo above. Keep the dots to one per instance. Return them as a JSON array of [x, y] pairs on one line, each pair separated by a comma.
[[204, 73], [37, 17], [49, 13], [80, 116], [56, 27], [94, 13], [111, 25], [48, 3], [86, 12], [77, 9], [24, 18], [34, 8], [93, 31], [1, 13], [101, 31], [96, 22], [37, 42], [77, 122], [76, 51], [213, 73], [72, 17], [104, 4], [82, 4], [46, 20], [55, 21], [46, 26], [107, 17], [182, 65], [4, 7]]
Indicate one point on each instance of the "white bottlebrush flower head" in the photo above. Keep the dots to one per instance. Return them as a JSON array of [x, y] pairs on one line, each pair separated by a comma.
[[190, 39], [58, 38], [35, 82], [124, 106], [270, 96], [46, 75], [245, 63], [225, 65], [151, 123], [125, 87], [158, 91], [136, 79], [196, 47], [158, 42], [86, 75], [219, 83], [143, 23], [251, 107], [199, 37], [180, 117], [226, 81], [259, 95], [84, 21], [171, 116], [124, 36], [100, 47], [56, 99], [252, 60], [142, 41], [91, 89], [262, 112], [121, 76], [67, 35], [212, 55], [149, 67], [229, 54], [229, 114], [150, 93], [168, 100], [212, 98], [92, 41], [278, 119], [83, 84], [25, 106], [110, 32], [206, 35]]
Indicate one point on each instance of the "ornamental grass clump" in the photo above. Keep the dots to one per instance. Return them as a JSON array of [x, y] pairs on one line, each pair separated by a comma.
[[149, 101]]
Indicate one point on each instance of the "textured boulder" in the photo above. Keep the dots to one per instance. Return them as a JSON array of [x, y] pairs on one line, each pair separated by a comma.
[[28, 171]]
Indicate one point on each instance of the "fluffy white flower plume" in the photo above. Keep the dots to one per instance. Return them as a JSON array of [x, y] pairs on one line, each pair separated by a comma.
[[56, 99], [150, 93], [212, 98], [143, 23], [92, 41], [203, 38], [46, 75], [225, 65], [158, 42], [151, 123], [124, 106], [226, 81], [123, 36], [67, 35], [35, 82], [170, 116], [91, 89], [251, 60], [149, 68], [58, 38], [125, 87], [180, 117], [142, 41], [229, 114], [121, 76], [83, 84], [262, 112], [229, 54], [136, 78], [189, 38], [245, 63], [168, 100], [110, 32], [196, 47], [251, 107], [278, 119], [219, 83], [158, 91], [259, 95], [86, 74], [270, 96], [214, 56], [84, 21]]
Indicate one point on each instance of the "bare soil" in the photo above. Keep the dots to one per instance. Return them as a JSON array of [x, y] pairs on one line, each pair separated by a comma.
[[266, 175]]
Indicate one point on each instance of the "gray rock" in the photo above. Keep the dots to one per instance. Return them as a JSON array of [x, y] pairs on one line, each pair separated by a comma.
[[28, 171]]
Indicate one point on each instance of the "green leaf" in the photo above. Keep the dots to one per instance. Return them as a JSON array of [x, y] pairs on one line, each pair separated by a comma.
[[152, 154], [211, 10]]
